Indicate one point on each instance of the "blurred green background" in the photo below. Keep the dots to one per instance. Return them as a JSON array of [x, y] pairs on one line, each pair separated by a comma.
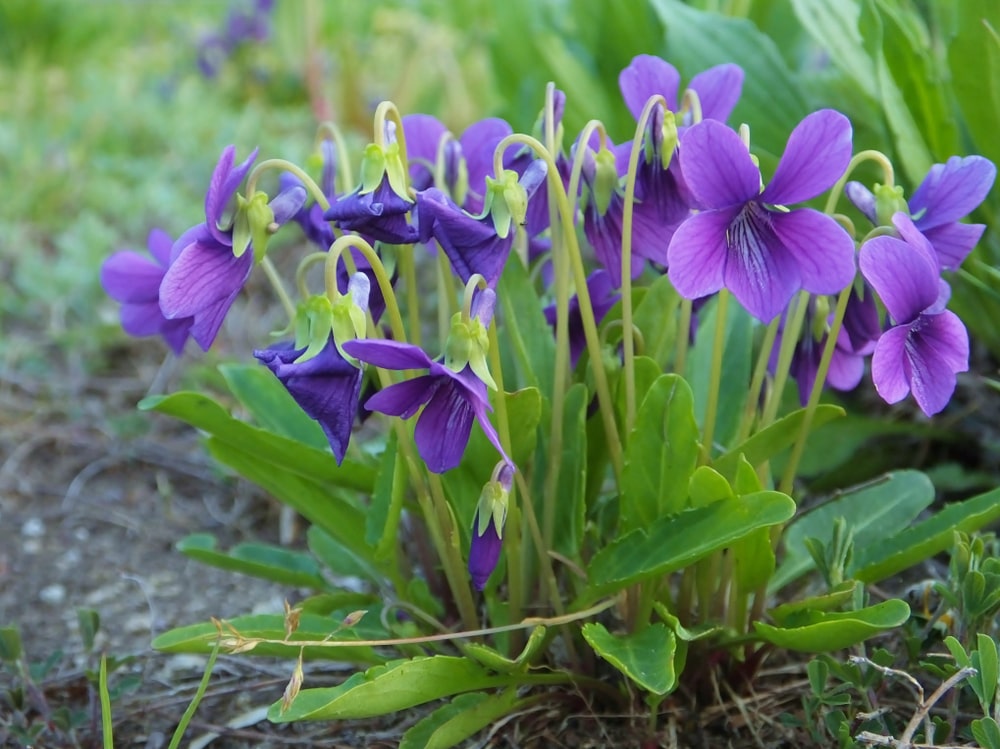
[[107, 126]]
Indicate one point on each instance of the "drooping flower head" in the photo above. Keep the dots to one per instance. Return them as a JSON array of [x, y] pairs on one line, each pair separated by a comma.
[[488, 524], [451, 400], [927, 345], [134, 280], [948, 193], [210, 263], [740, 240]]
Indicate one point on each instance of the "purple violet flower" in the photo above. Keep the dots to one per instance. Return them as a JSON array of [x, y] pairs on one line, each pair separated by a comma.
[[134, 280], [603, 297], [928, 345], [205, 275], [488, 523], [718, 88], [761, 254], [451, 400], [327, 387], [379, 214]]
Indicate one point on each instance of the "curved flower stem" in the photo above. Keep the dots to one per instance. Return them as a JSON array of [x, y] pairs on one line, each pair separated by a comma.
[[343, 176], [859, 158], [757, 382], [305, 264], [308, 182], [409, 268], [715, 376], [788, 479], [446, 304], [386, 110], [449, 549], [628, 347], [586, 308], [515, 594], [279, 287], [789, 339], [354, 241]]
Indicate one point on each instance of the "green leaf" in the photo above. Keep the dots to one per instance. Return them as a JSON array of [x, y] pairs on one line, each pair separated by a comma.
[[985, 661], [451, 724], [834, 26], [90, 622], [974, 61], [838, 597], [201, 638], [872, 512], [382, 519], [986, 732], [203, 413], [10, 644], [263, 395], [772, 101], [661, 454], [707, 486], [570, 510], [771, 440], [822, 632], [646, 657], [263, 561], [495, 660], [655, 316], [527, 332], [336, 557], [884, 557], [675, 542], [398, 685]]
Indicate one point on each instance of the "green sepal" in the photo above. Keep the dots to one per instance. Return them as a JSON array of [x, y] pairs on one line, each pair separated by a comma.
[[396, 170], [241, 227], [467, 345], [313, 325], [492, 506], [888, 201], [506, 202], [373, 168], [605, 180], [670, 138], [261, 219]]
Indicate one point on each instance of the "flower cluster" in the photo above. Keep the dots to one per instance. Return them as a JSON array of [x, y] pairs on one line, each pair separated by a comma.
[[685, 198]]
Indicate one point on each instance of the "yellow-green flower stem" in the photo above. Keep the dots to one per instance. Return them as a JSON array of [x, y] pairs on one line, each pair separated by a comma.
[[789, 339], [515, 591], [446, 303], [287, 166], [386, 110], [757, 382], [639, 342], [715, 375], [385, 284], [343, 179], [628, 350], [615, 451], [691, 102], [279, 287], [314, 258], [859, 158], [683, 337], [407, 261], [788, 479]]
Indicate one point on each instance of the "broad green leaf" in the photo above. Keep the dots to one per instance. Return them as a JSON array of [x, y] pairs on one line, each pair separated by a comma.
[[451, 724], [833, 600], [834, 26], [707, 486], [525, 329], [646, 657], [677, 541], [263, 395], [320, 504], [656, 317], [736, 361], [10, 644], [890, 554], [89, 622], [203, 413], [382, 518], [661, 454], [336, 557], [201, 638], [986, 732], [771, 440], [569, 510], [985, 661], [398, 685], [753, 561], [646, 372], [822, 632], [496, 661], [772, 100], [259, 560], [974, 62], [872, 511]]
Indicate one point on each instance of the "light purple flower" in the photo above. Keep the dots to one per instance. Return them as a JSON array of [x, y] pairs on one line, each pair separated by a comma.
[[451, 400], [134, 280], [718, 88], [326, 386], [928, 345], [739, 241], [205, 276]]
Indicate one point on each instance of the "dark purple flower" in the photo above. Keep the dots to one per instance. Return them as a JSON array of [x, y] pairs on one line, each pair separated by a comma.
[[862, 325], [718, 88], [488, 523], [451, 400], [603, 297], [327, 387], [205, 274], [739, 241], [948, 193], [134, 280], [928, 344]]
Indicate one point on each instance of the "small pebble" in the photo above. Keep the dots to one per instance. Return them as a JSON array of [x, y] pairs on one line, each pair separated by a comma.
[[33, 528], [53, 594]]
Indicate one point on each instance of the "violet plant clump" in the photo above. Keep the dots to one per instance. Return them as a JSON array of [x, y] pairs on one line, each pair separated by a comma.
[[565, 456]]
